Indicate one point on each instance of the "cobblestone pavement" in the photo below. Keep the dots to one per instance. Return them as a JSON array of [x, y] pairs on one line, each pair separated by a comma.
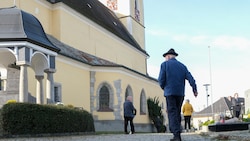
[[195, 136]]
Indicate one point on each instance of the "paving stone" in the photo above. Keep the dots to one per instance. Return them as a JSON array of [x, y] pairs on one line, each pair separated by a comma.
[[193, 136]]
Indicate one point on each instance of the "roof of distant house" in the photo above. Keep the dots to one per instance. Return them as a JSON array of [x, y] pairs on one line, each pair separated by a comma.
[[220, 106]]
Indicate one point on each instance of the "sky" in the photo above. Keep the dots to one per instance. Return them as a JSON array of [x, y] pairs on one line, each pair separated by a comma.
[[212, 38]]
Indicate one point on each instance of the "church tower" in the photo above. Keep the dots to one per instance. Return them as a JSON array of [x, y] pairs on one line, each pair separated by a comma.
[[131, 14]]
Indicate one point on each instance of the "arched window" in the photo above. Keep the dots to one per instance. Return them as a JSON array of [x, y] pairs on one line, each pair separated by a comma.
[[105, 98], [128, 92], [143, 103]]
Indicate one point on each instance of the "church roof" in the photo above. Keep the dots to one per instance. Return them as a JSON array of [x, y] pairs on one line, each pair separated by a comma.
[[86, 58], [100, 14], [17, 25]]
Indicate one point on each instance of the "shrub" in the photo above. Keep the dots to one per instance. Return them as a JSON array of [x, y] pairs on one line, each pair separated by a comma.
[[70, 106], [208, 122], [246, 119], [26, 118], [155, 114], [11, 101]]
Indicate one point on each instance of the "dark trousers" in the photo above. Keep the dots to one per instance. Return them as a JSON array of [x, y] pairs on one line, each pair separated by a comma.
[[237, 114], [187, 121], [130, 120], [174, 104], [236, 111]]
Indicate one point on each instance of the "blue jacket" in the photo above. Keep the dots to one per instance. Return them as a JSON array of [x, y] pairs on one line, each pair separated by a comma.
[[172, 78], [129, 109]]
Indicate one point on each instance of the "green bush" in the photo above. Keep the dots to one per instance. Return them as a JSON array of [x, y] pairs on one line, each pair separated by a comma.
[[155, 114], [246, 119], [208, 122], [26, 118]]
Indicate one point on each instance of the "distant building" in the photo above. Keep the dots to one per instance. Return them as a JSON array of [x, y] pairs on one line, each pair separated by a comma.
[[247, 103], [221, 106]]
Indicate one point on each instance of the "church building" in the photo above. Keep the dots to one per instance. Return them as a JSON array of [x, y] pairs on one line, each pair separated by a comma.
[[87, 53]]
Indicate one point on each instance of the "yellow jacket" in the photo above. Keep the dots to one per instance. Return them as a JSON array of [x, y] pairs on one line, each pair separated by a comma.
[[187, 109]]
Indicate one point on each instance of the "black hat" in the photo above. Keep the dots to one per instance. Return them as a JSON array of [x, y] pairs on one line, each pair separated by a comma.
[[171, 51]]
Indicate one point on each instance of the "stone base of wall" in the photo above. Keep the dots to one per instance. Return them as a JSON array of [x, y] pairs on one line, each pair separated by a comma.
[[118, 126]]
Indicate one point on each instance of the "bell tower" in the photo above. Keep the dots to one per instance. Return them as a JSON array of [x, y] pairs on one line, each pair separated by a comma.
[[131, 14]]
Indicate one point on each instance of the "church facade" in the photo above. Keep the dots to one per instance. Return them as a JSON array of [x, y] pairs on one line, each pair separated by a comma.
[[87, 53]]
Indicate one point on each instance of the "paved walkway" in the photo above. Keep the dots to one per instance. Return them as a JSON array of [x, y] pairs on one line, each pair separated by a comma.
[[210, 136]]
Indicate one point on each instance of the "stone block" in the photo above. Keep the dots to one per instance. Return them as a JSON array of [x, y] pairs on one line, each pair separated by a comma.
[[228, 127]]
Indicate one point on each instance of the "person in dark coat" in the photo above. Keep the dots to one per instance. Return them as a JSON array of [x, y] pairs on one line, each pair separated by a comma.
[[129, 114], [236, 105], [172, 80]]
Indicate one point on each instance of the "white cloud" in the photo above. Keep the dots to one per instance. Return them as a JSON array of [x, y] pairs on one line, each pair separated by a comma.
[[221, 41], [229, 42], [157, 32], [198, 40], [180, 37]]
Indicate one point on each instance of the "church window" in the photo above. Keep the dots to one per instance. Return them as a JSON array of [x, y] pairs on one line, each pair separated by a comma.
[[143, 103], [128, 92], [105, 99], [57, 92]]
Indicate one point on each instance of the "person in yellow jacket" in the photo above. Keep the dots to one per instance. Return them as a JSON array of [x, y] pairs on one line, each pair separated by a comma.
[[187, 110]]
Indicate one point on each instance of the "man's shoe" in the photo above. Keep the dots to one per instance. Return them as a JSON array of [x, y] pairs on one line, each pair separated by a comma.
[[176, 139]]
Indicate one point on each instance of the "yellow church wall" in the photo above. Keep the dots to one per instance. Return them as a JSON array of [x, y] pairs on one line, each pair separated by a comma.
[[138, 33], [74, 79], [32, 82], [119, 53], [137, 30], [56, 24], [74, 32], [75, 83], [7, 3], [95, 40]]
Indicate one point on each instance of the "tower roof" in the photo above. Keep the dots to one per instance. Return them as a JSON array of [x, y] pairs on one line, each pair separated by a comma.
[[17, 25]]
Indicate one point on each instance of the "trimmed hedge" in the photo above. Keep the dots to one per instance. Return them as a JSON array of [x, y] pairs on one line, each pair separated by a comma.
[[27, 118]]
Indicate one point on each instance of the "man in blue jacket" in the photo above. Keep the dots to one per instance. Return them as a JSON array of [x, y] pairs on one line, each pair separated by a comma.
[[172, 80], [129, 114]]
